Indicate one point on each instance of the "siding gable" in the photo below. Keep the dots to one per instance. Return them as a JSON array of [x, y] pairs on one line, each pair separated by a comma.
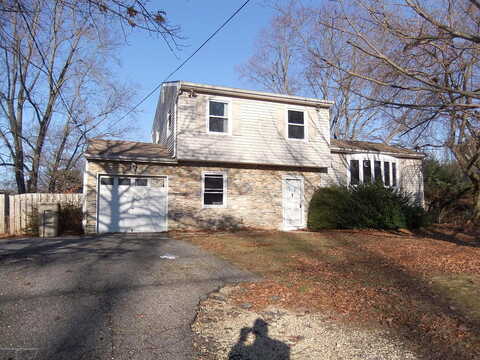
[[258, 133]]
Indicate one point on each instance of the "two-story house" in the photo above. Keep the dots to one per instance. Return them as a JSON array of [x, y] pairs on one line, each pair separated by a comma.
[[229, 158]]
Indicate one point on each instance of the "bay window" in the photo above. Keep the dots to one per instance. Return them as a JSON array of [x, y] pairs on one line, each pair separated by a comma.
[[368, 168]]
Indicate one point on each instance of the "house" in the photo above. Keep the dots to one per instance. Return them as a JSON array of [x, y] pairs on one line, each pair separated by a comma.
[[229, 158]]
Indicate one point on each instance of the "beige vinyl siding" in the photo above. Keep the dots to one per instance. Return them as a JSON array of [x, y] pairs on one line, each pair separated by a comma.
[[258, 133], [339, 168], [166, 104], [411, 178]]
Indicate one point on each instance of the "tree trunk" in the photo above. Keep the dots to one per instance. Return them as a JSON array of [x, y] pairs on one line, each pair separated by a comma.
[[19, 175]]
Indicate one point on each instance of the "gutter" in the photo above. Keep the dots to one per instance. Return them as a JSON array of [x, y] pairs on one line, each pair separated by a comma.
[[394, 154], [256, 95], [219, 163], [132, 159]]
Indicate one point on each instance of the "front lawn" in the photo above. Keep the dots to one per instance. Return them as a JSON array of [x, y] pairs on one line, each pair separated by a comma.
[[424, 290]]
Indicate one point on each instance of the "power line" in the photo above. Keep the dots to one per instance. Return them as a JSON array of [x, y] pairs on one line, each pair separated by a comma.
[[185, 61]]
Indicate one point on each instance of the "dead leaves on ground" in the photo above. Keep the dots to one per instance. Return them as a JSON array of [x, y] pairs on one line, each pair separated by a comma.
[[368, 277]]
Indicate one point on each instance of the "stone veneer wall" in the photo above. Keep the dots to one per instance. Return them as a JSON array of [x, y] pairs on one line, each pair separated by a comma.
[[254, 194]]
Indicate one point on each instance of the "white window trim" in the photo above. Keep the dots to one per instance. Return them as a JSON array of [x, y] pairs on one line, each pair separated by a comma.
[[374, 157], [302, 201], [225, 181], [229, 115], [305, 123]]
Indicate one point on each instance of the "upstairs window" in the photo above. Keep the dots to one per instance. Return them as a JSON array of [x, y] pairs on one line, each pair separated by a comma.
[[296, 125], [214, 190], [218, 117]]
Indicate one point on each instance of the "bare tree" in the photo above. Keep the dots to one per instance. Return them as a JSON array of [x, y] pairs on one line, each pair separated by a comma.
[[421, 59], [286, 61], [56, 90], [274, 66], [131, 14]]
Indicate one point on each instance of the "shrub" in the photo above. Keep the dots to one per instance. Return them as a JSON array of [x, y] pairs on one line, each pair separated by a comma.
[[448, 192], [364, 206], [32, 225], [70, 219]]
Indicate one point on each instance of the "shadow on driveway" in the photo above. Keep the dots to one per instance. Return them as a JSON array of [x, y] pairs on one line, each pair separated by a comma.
[[99, 297]]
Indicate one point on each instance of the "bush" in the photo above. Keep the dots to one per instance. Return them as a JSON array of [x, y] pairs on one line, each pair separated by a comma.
[[70, 219], [448, 192], [32, 225], [364, 206]]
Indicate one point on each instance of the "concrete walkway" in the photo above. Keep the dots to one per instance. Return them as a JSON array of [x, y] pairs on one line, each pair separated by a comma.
[[103, 297]]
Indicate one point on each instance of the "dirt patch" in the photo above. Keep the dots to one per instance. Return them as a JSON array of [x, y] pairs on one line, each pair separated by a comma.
[[225, 329]]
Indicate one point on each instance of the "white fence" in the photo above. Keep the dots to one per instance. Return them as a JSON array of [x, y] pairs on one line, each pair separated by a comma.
[[16, 211]]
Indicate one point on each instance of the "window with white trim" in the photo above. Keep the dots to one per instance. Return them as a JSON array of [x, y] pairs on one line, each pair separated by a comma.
[[378, 171], [372, 168], [218, 117], [367, 171], [386, 173], [394, 174], [354, 172], [296, 124], [214, 190]]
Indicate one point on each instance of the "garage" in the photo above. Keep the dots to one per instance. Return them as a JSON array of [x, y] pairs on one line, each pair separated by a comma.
[[132, 204]]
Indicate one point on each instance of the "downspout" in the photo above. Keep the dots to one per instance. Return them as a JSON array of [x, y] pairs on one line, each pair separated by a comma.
[[85, 192], [179, 92]]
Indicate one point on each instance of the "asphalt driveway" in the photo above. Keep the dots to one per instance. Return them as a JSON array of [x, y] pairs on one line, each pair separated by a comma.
[[103, 297]]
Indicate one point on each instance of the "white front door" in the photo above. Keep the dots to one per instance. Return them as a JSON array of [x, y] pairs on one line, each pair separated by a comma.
[[132, 204], [292, 203]]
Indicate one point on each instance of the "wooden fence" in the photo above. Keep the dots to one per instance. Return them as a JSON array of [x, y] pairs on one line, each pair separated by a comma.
[[16, 211]]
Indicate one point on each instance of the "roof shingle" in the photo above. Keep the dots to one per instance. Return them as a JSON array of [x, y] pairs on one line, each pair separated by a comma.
[[372, 146], [126, 150]]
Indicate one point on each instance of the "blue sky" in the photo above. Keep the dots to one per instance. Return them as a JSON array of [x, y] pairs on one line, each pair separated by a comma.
[[147, 60]]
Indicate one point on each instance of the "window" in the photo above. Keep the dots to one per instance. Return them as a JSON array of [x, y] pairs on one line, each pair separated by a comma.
[[106, 181], [218, 117], [296, 125], [367, 171], [123, 181], [354, 172], [378, 171], [214, 186], [394, 174], [386, 172]]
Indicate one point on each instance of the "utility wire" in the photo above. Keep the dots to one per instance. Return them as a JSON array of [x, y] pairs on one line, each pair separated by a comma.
[[185, 61]]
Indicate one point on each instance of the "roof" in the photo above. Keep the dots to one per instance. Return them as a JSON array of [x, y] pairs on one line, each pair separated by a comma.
[[252, 94], [127, 150], [367, 146]]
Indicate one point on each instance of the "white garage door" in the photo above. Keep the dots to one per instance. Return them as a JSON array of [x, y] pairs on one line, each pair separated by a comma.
[[132, 204]]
